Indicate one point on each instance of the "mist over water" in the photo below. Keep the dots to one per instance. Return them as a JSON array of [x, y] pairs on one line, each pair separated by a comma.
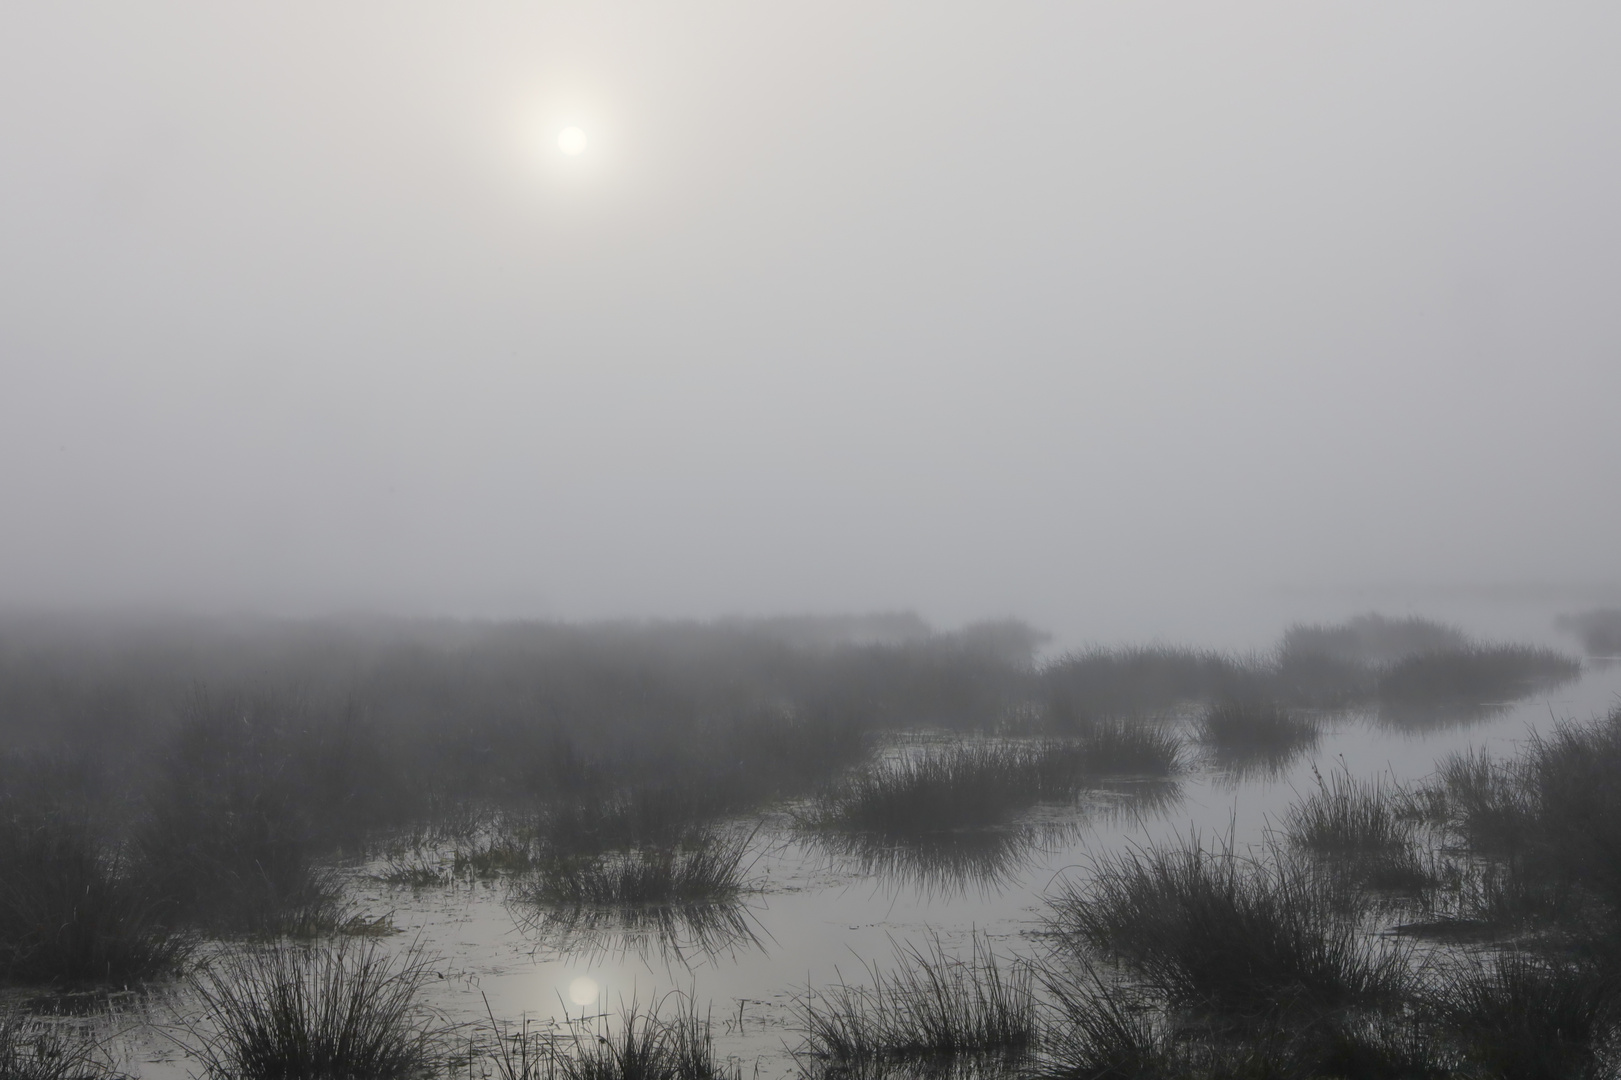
[[901, 531], [1119, 319]]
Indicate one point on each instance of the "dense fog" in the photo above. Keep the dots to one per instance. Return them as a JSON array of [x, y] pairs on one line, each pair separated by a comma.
[[1130, 320]]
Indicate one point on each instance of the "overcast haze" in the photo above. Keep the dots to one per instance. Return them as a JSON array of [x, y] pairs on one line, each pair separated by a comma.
[[1099, 314]]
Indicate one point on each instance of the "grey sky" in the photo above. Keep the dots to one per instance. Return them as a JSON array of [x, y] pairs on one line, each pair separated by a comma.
[[1085, 312]]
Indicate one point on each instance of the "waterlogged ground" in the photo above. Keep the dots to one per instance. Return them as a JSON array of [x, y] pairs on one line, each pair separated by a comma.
[[817, 916]]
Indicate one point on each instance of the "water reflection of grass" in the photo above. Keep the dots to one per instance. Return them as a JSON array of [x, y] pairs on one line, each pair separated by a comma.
[[943, 864], [673, 933], [707, 867], [984, 785], [1252, 740]]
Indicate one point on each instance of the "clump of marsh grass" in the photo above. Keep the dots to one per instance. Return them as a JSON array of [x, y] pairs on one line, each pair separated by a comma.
[[930, 1009], [1227, 934], [1117, 746], [984, 785], [73, 909], [1545, 827], [325, 1013], [1473, 675], [1359, 828], [708, 868], [1372, 640], [958, 786], [1256, 737], [1086, 686], [244, 806], [1529, 1018], [641, 1045], [32, 1048], [1098, 1031]]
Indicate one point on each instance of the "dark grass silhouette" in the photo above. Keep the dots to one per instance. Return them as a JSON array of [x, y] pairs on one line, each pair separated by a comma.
[[1473, 675], [36, 1048], [1530, 1018], [658, 1043], [708, 868], [348, 1010], [1117, 746], [1098, 1030], [1546, 823], [1372, 640], [929, 1009], [985, 785], [1086, 686], [944, 788], [1216, 932], [73, 910], [1256, 738], [1362, 829]]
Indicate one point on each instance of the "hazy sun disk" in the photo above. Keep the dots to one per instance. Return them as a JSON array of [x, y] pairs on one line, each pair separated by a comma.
[[571, 140], [583, 991]]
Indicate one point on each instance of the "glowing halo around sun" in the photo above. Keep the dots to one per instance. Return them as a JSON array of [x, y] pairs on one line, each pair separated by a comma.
[[572, 141], [584, 990]]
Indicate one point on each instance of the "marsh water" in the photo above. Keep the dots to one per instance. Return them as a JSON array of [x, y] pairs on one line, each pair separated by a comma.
[[815, 915]]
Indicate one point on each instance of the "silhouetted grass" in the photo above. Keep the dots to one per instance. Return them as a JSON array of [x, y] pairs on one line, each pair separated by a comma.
[[1217, 932], [940, 789], [32, 1048], [984, 785], [1104, 1031], [646, 1046], [1473, 675], [1546, 823], [929, 1008], [1361, 829], [73, 909], [327, 1013], [1251, 738], [1099, 1031], [1525, 1018], [248, 798], [1087, 686], [1372, 640], [1117, 746]]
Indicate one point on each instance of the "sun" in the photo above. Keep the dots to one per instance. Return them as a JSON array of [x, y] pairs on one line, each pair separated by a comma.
[[571, 140], [583, 990]]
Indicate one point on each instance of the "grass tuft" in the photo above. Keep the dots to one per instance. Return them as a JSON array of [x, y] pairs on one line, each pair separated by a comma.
[[1213, 931], [1530, 1019], [708, 868], [642, 1045], [72, 911], [1359, 829], [35, 1049], [327, 1013], [930, 1008], [1473, 675], [1256, 738]]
